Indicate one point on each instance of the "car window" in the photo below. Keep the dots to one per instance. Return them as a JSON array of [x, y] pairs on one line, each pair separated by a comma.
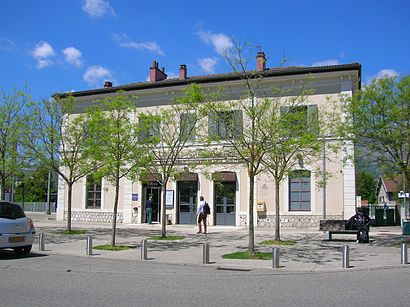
[[11, 211]]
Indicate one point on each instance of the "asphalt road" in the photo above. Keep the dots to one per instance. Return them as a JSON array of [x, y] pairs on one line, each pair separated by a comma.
[[56, 280]]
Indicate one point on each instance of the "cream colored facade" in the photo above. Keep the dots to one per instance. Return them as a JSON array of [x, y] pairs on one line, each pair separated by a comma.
[[337, 201]]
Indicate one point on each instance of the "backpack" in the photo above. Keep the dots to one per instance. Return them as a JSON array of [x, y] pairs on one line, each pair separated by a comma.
[[207, 209]]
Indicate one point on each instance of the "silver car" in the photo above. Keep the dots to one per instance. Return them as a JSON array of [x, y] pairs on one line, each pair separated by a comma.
[[16, 230]]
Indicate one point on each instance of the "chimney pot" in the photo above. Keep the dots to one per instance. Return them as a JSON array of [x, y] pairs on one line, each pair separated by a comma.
[[107, 84], [182, 72], [260, 61], [155, 74]]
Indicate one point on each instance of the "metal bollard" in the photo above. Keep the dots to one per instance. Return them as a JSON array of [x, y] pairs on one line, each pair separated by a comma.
[[345, 260], [144, 251], [41, 244], [205, 253], [275, 257], [89, 246], [404, 253]]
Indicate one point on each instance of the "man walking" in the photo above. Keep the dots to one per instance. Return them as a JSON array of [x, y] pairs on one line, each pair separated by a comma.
[[202, 214]]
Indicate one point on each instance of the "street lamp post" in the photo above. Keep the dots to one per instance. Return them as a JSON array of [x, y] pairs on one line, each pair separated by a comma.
[[48, 193]]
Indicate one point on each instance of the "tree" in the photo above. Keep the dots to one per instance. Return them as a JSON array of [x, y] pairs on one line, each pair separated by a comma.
[[366, 185], [14, 114], [378, 118], [165, 133], [114, 144], [58, 141], [293, 129], [236, 132]]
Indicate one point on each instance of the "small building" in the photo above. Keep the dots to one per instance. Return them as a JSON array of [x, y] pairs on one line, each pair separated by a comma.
[[387, 190], [302, 203]]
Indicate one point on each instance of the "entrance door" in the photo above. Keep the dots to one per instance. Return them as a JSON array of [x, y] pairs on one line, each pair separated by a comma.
[[155, 192], [187, 201], [225, 194]]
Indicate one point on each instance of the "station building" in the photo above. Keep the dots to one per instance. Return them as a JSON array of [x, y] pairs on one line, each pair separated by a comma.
[[302, 202]]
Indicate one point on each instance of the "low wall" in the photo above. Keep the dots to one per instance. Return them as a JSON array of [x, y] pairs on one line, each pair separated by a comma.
[[264, 220], [87, 216]]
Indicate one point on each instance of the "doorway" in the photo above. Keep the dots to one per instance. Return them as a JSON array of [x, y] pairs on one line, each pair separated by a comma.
[[225, 195], [187, 201], [153, 189]]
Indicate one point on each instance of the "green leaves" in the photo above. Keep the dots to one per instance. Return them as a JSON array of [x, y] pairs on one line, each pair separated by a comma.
[[379, 120]]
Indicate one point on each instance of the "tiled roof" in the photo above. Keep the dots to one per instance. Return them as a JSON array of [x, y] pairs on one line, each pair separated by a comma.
[[270, 72], [392, 185]]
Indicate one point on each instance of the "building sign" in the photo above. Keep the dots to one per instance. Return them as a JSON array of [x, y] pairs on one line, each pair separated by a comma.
[[169, 199], [135, 197], [403, 195]]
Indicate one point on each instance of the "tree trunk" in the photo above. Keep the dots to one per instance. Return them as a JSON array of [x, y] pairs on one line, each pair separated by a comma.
[[277, 211], [114, 218], [251, 248], [3, 188], [163, 209], [70, 196]]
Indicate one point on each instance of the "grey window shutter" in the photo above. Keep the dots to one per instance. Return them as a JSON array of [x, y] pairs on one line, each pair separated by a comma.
[[312, 118], [212, 125], [238, 123]]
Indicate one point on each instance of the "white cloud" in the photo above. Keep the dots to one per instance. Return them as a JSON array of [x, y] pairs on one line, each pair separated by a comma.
[[208, 64], [125, 42], [387, 73], [152, 47], [73, 56], [326, 63], [6, 44], [221, 42], [42, 52], [96, 75], [97, 8]]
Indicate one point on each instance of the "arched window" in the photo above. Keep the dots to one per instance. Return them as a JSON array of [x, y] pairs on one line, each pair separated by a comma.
[[299, 190]]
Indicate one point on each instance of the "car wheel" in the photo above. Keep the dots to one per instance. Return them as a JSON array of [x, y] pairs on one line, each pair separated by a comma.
[[22, 251]]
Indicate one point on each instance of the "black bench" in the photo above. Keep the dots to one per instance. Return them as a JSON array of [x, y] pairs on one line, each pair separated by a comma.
[[336, 227]]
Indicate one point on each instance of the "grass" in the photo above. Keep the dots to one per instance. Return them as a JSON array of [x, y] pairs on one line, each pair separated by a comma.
[[71, 232], [249, 256], [167, 238], [273, 242], [109, 247]]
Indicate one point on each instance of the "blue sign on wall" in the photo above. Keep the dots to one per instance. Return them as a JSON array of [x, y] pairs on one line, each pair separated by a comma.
[[135, 197]]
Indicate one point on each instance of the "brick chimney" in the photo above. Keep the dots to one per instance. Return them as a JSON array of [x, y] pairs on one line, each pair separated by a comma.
[[260, 61], [107, 84], [182, 72], [155, 74]]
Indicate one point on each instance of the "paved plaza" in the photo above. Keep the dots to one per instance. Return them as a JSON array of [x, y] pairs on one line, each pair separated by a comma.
[[313, 252]]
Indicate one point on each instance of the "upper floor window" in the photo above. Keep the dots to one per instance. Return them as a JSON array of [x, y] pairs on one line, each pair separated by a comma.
[[225, 124], [149, 128], [299, 190], [93, 193], [187, 127], [301, 117]]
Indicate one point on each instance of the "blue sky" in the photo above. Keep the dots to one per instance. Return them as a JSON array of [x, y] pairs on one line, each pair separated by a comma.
[[64, 45]]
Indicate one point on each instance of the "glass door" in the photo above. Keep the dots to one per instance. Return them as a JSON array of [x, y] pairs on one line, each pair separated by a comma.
[[225, 195], [187, 201]]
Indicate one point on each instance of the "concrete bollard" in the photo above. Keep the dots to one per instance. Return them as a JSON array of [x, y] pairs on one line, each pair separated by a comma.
[[345, 257], [41, 243], [404, 253], [205, 253], [144, 250], [275, 257], [89, 246]]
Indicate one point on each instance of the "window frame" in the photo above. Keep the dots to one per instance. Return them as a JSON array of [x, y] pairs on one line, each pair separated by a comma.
[[300, 177], [97, 190], [219, 124]]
